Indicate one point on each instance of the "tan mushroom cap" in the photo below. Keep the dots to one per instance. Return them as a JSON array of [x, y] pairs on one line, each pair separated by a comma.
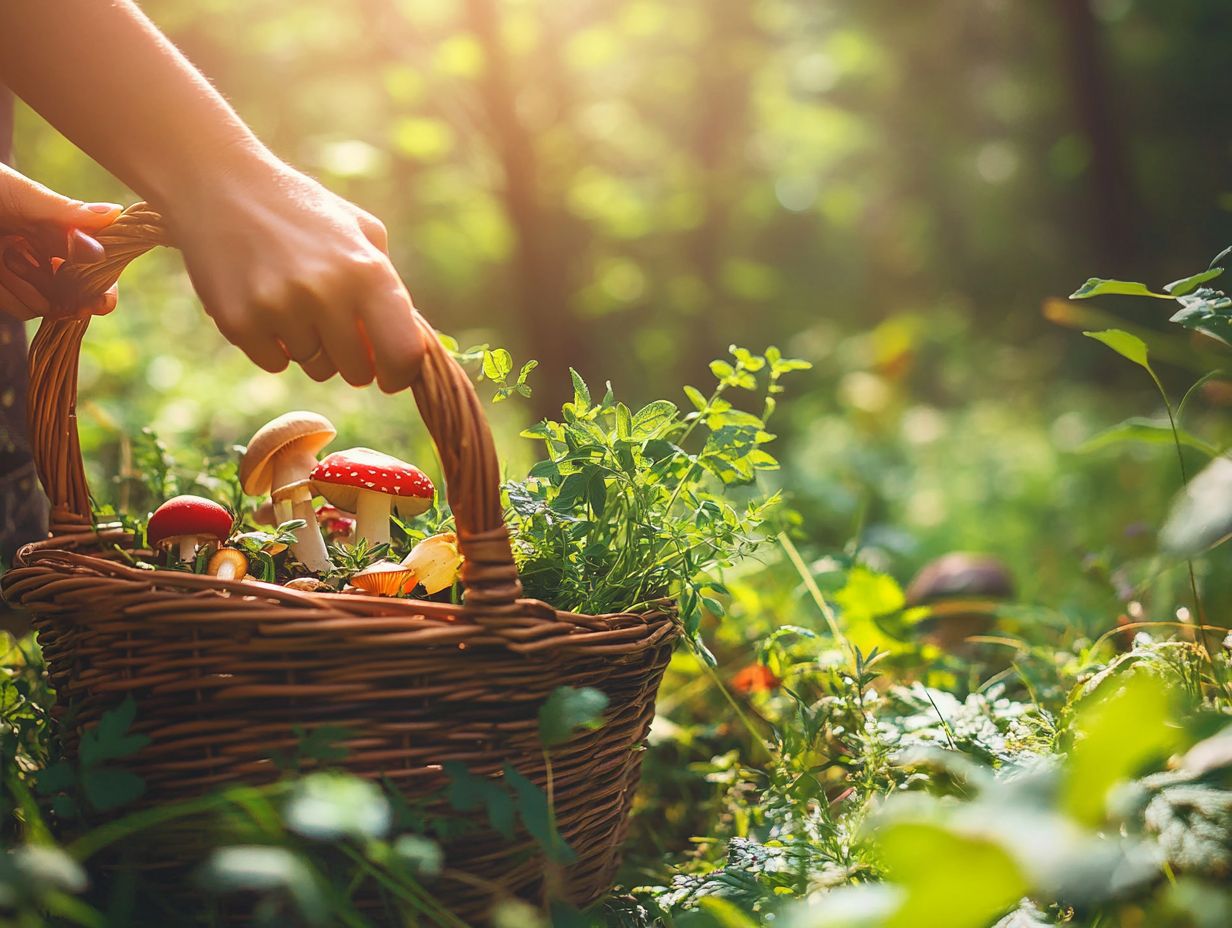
[[309, 432]]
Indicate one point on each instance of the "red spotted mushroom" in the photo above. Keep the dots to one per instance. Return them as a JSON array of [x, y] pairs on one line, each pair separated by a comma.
[[278, 461], [185, 523], [370, 484]]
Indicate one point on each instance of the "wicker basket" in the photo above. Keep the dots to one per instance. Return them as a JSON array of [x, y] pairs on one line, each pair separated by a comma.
[[224, 672]]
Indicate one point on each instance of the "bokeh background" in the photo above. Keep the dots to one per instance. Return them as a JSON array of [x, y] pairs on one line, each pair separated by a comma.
[[896, 191]]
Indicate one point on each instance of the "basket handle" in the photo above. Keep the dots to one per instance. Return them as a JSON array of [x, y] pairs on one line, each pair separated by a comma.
[[446, 398]]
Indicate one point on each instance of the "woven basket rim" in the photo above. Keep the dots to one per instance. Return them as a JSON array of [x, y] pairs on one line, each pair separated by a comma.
[[52, 554]]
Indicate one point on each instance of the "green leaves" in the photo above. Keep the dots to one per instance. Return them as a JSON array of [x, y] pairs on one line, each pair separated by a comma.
[[629, 507], [103, 785], [581, 393], [1186, 284], [569, 709], [502, 799], [1117, 729], [1207, 311], [532, 805], [1201, 515], [1203, 309], [497, 365], [470, 793], [111, 739], [1126, 345], [1145, 431], [951, 877], [1099, 286]]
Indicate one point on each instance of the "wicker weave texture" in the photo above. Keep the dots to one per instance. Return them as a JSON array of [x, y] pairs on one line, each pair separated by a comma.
[[225, 673]]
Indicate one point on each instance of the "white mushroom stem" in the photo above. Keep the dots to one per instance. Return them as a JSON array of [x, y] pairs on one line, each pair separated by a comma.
[[372, 517], [226, 571], [187, 545], [309, 547], [291, 465]]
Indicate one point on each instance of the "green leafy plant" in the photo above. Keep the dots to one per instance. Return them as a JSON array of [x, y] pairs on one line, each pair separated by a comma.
[[630, 507], [95, 776]]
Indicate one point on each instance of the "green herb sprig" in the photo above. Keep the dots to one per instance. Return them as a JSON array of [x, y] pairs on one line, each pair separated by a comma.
[[628, 508]]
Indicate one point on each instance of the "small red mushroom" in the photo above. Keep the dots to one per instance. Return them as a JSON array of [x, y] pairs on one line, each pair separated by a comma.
[[369, 484], [186, 523], [337, 525]]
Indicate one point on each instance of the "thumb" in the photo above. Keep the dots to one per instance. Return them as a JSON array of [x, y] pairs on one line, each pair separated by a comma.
[[28, 203]]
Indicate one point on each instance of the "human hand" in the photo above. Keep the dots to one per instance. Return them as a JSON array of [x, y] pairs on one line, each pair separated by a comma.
[[292, 272], [39, 229]]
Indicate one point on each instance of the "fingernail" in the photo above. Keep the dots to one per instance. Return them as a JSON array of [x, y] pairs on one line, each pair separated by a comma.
[[104, 207]]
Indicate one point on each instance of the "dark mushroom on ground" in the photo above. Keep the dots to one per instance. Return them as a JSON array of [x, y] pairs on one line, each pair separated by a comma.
[[961, 591]]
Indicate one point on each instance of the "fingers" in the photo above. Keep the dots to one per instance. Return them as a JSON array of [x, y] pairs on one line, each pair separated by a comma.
[[299, 338], [263, 351], [10, 303], [345, 346], [18, 275], [104, 302], [26, 204], [320, 368], [262, 348], [387, 317], [374, 230], [302, 344]]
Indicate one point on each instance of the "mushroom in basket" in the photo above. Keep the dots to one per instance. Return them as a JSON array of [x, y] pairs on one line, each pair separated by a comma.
[[185, 523], [278, 461], [385, 578], [435, 562], [228, 564], [369, 484]]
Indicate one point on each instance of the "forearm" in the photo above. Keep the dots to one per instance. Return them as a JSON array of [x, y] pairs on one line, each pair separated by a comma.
[[102, 74]]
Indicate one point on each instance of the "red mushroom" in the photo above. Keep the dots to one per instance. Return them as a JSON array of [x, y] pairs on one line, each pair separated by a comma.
[[186, 523], [369, 484], [337, 525]]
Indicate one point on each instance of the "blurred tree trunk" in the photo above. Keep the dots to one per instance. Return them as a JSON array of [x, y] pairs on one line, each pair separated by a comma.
[[544, 261], [1113, 211], [718, 138]]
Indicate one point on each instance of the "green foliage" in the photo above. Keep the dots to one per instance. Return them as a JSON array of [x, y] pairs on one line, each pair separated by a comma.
[[1201, 517], [498, 366], [502, 799], [103, 785], [568, 709], [629, 507]]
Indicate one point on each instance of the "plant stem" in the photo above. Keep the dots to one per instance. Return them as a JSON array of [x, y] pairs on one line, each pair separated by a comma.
[[731, 700], [1199, 614], [810, 584]]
